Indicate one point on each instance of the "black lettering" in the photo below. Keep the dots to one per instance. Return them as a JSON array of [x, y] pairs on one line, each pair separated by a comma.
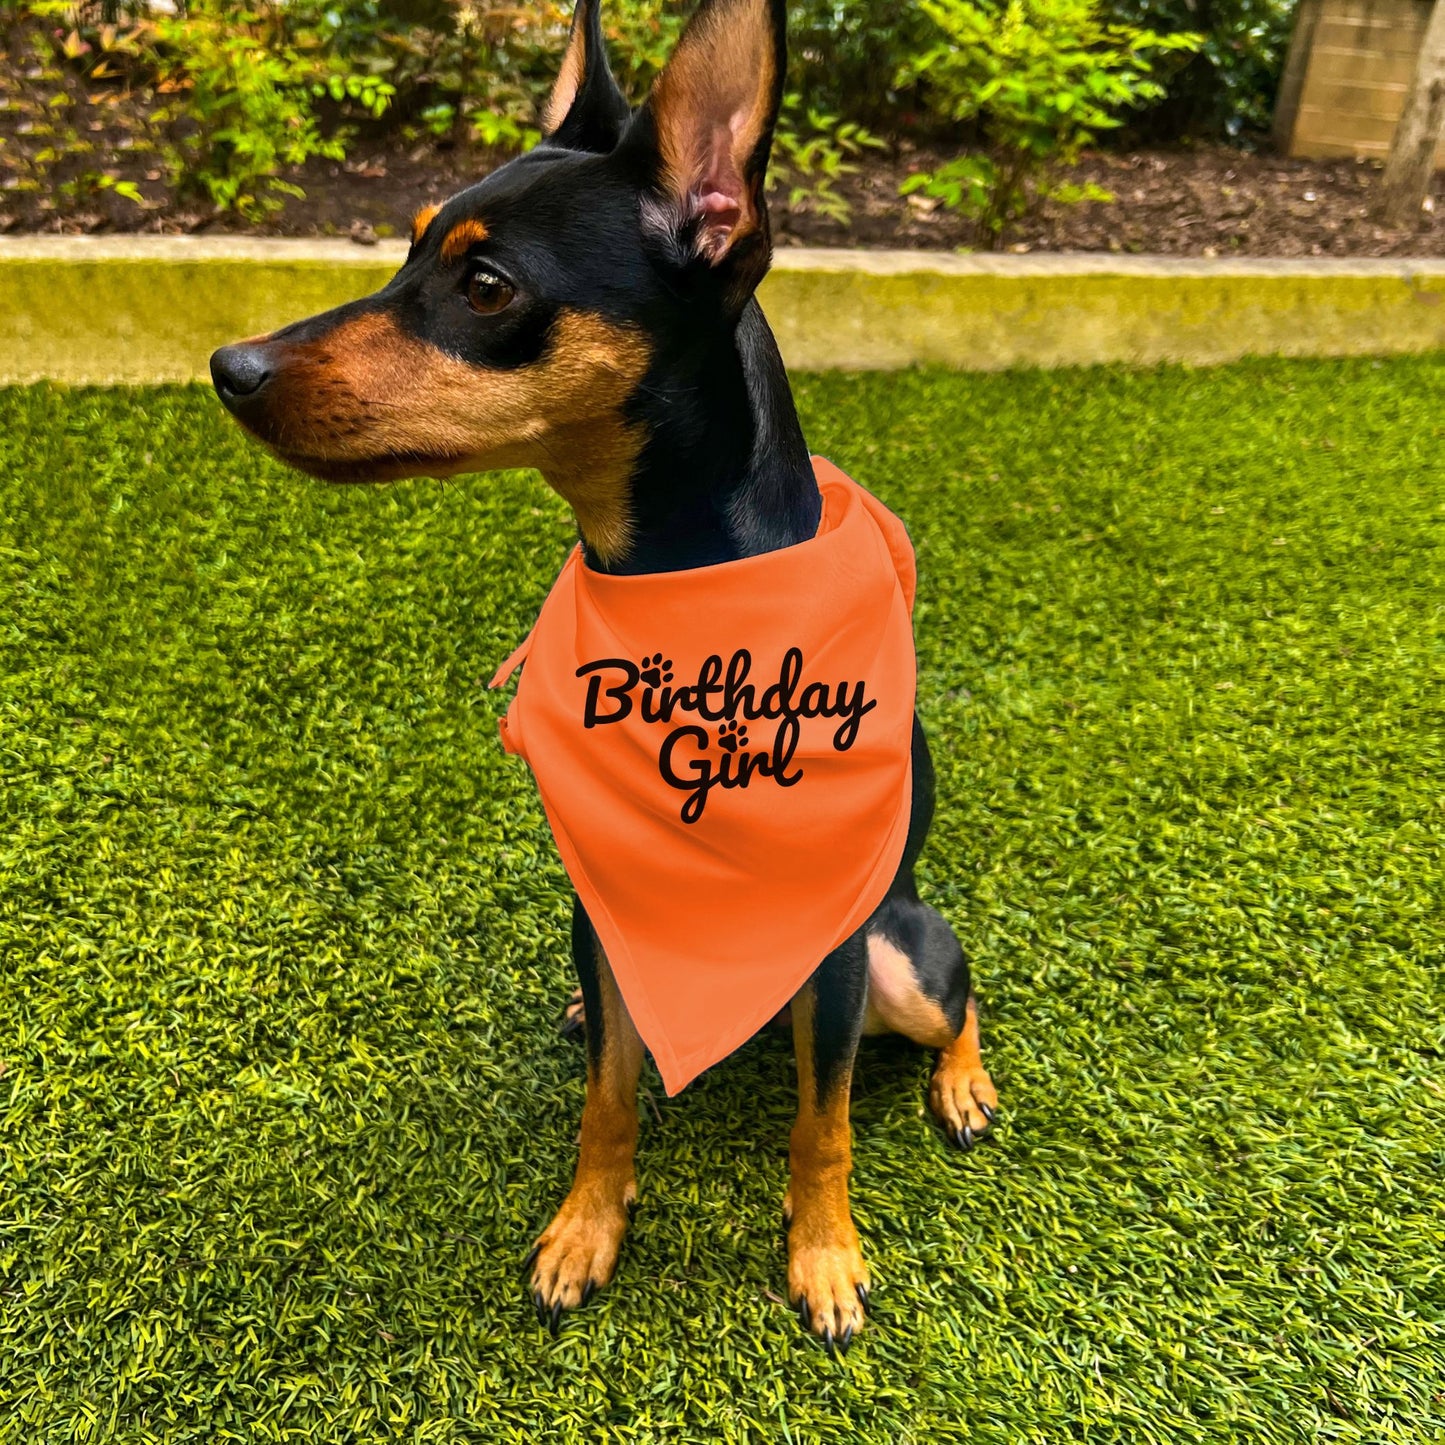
[[618, 693], [697, 782]]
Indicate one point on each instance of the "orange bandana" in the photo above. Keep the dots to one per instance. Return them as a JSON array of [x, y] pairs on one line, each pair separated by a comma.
[[724, 755]]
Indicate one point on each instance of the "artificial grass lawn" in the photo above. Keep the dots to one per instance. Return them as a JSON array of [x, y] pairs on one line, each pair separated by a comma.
[[283, 944]]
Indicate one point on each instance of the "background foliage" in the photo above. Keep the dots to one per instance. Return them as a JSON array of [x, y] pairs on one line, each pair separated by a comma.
[[1227, 89], [240, 90], [1039, 80]]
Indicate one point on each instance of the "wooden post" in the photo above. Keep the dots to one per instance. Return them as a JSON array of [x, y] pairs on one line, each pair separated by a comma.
[[1292, 81], [1412, 151]]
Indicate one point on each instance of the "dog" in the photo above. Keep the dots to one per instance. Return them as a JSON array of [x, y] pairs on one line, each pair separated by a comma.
[[588, 310]]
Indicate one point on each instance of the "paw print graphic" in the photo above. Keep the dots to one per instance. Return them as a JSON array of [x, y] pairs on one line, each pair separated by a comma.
[[732, 736], [656, 670]]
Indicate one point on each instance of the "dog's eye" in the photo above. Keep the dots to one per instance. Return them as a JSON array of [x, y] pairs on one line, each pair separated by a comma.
[[488, 294]]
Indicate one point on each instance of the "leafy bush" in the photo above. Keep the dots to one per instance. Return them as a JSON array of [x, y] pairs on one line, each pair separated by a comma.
[[225, 93], [245, 91], [483, 72], [845, 56], [1228, 87], [1035, 81], [46, 67], [248, 88], [460, 72], [811, 150], [850, 56], [640, 36]]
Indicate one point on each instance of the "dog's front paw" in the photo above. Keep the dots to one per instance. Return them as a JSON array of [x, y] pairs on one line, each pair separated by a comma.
[[577, 1252], [828, 1285], [827, 1279]]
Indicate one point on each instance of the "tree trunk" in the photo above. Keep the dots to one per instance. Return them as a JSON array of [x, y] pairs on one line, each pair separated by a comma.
[[1412, 152]]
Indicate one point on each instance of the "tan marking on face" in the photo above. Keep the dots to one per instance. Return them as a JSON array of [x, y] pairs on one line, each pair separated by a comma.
[[369, 402], [895, 1002], [715, 92], [421, 221], [569, 78], [462, 236]]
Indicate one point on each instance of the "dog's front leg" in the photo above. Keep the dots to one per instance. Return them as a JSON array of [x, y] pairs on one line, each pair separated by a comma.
[[577, 1252], [827, 1279]]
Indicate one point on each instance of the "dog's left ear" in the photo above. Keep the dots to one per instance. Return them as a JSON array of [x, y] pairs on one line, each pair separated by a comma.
[[707, 129], [586, 110]]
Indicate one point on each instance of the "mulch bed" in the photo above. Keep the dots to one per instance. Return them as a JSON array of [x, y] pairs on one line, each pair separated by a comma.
[[1199, 201]]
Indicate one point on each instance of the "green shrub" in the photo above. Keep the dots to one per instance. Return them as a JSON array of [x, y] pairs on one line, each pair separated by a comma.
[[1228, 87], [1035, 81], [845, 55], [47, 68], [640, 37], [245, 98], [811, 150], [850, 56], [484, 72], [251, 87]]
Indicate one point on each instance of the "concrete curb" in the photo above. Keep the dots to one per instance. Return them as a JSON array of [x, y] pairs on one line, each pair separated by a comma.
[[150, 309]]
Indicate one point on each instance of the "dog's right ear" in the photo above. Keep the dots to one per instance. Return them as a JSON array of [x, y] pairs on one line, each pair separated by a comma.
[[703, 137], [586, 111]]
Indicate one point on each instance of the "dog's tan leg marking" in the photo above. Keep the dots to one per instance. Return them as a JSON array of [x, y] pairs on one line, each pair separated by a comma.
[[577, 1252], [896, 1005], [574, 1016], [827, 1279], [962, 1095]]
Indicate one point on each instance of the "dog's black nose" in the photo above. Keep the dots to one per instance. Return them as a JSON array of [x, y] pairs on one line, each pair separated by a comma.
[[239, 372]]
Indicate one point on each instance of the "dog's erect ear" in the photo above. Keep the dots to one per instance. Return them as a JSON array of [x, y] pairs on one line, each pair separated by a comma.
[[586, 111], [709, 122]]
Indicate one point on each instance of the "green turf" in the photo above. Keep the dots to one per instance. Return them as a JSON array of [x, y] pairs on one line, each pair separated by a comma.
[[283, 943]]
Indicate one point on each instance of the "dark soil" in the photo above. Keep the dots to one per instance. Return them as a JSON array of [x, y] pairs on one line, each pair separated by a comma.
[[1199, 201]]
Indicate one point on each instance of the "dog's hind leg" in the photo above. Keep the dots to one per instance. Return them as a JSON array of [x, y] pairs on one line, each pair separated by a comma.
[[577, 1252], [573, 1024], [919, 986], [827, 1279]]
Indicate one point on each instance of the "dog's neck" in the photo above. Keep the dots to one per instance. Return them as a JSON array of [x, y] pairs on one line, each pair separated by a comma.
[[725, 472]]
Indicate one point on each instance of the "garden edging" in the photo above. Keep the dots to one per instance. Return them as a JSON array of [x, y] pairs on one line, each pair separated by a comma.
[[151, 309]]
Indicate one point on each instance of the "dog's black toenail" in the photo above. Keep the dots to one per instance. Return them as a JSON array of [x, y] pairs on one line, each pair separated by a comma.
[[555, 1318], [967, 1137], [987, 1113], [861, 1290], [588, 1289], [828, 1341], [804, 1313], [531, 1258], [540, 1305], [845, 1340]]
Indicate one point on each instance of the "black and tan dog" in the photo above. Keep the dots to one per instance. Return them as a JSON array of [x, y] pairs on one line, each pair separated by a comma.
[[588, 310]]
